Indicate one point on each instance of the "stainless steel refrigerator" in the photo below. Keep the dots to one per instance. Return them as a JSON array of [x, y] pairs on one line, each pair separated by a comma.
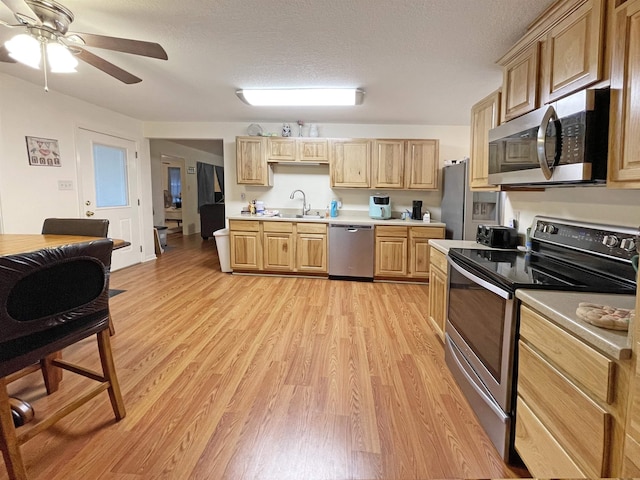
[[463, 210]]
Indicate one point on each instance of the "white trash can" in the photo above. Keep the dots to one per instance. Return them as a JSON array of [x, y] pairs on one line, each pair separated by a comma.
[[222, 244]]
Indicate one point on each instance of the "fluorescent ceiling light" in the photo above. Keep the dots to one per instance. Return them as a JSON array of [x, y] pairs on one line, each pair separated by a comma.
[[302, 97]]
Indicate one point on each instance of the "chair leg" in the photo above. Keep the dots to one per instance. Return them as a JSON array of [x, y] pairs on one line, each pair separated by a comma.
[[51, 374], [112, 329], [8, 439], [109, 371]]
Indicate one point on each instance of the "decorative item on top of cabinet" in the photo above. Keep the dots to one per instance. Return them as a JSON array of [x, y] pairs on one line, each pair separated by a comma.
[[623, 170], [350, 163], [561, 53], [438, 278], [405, 164], [251, 161], [485, 115]]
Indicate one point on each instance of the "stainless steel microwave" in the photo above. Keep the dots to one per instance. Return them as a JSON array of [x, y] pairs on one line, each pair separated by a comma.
[[562, 143]]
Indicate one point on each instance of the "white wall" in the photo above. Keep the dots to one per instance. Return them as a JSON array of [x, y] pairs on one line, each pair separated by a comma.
[[29, 194], [190, 216], [312, 179]]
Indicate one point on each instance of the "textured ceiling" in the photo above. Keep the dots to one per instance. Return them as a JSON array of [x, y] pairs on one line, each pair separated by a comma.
[[419, 61]]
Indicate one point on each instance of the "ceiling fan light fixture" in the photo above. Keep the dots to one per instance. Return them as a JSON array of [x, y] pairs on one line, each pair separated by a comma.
[[302, 96], [25, 49], [61, 60]]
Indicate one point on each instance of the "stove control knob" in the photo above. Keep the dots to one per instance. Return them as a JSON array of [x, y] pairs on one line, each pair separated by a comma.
[[610, 240], [628, 244], [550, 229]]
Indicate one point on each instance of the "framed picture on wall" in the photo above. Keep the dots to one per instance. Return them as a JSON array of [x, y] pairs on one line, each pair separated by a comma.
[[43, 152]]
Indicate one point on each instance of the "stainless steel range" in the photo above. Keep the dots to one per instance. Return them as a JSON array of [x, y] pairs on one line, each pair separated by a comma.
[[482, 317]]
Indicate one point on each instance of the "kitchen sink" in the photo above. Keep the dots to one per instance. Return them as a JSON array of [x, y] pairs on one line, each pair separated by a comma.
[[290, 215]]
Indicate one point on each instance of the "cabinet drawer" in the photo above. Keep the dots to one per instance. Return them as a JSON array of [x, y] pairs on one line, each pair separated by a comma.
[[438, 260], [244, 225], [579, 425], [285, 227], [542, 454], [385, 231], [426, 232], [311, 227], [580, 362]]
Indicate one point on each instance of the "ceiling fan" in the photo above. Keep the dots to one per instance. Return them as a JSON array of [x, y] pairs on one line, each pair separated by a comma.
[[48, 22]]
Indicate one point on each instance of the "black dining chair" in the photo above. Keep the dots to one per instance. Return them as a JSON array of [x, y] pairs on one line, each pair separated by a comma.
[[51, 299], [90, 227]]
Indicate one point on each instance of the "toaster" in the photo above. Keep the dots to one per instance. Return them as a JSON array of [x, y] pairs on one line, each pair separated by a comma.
[[497, 236]]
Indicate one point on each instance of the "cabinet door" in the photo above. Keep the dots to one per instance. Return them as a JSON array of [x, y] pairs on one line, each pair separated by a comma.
[[438, 300], [350, 163], [311, 252], [624, 131], [246, 250], [278, 251], [573, 52], [391, 257], [421, 164], [316, 150], [484, 116], [251, 161], [520, 84], [281, 149], [388, 164]]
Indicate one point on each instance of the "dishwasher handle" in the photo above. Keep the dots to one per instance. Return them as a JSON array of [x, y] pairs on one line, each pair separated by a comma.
[[351, 228]]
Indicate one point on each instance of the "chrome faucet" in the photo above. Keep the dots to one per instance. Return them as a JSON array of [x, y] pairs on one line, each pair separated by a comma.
[[305, 207]]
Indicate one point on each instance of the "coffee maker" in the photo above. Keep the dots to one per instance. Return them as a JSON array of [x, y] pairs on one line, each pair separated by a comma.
[[416, 213]]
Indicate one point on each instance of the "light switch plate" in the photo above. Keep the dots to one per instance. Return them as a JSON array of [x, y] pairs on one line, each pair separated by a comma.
[[65, 185]]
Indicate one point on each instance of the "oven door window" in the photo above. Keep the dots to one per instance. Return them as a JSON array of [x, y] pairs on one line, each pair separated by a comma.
[[478, 315]]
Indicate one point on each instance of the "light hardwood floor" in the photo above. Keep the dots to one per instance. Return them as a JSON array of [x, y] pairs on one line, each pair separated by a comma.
[[241, 377]]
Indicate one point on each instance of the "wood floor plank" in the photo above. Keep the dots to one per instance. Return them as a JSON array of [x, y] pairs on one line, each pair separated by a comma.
[[244, 377]]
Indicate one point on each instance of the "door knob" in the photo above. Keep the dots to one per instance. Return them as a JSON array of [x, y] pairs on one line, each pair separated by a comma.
[[89, 213]]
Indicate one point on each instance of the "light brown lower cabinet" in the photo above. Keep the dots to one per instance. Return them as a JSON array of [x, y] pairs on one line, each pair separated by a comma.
[[571, 403], [438, 278], [403, 252], [278, 247]]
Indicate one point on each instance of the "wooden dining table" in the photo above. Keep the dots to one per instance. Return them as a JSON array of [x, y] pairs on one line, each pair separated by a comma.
[[16, 243]]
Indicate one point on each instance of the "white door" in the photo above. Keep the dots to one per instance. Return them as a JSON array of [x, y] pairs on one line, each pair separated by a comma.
[[109, 189]]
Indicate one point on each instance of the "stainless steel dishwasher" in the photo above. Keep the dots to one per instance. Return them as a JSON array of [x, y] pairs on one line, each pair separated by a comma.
[[351, 252]]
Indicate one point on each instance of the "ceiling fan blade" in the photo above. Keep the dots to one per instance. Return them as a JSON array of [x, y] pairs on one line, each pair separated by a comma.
[[4, 55], [23, 11], [125, 45], [106, 67]]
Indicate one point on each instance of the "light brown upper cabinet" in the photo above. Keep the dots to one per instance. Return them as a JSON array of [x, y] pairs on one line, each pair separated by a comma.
[[561, 53], [405, 164], [251, 161], [624, 129], [520, 83], [350, 163], [573, 52], [485, 115], [299, 150]]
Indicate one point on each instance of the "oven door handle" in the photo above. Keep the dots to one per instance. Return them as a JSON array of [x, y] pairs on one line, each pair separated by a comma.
[[483, 283]]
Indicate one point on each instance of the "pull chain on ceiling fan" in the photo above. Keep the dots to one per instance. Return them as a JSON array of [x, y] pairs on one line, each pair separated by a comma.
[[47, 38]]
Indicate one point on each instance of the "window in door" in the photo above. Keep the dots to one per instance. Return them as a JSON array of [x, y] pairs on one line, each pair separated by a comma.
[[110, 174], [175, 185]]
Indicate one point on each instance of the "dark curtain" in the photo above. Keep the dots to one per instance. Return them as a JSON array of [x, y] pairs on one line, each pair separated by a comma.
[[219, 196], [206, 183]]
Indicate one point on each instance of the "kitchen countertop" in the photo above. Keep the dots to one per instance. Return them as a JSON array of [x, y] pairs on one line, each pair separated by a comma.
[[347, 218], [560, 307], [444, 245]]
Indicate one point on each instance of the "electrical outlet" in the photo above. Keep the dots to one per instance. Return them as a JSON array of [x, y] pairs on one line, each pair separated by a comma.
[[65, 185], [243, 196]]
